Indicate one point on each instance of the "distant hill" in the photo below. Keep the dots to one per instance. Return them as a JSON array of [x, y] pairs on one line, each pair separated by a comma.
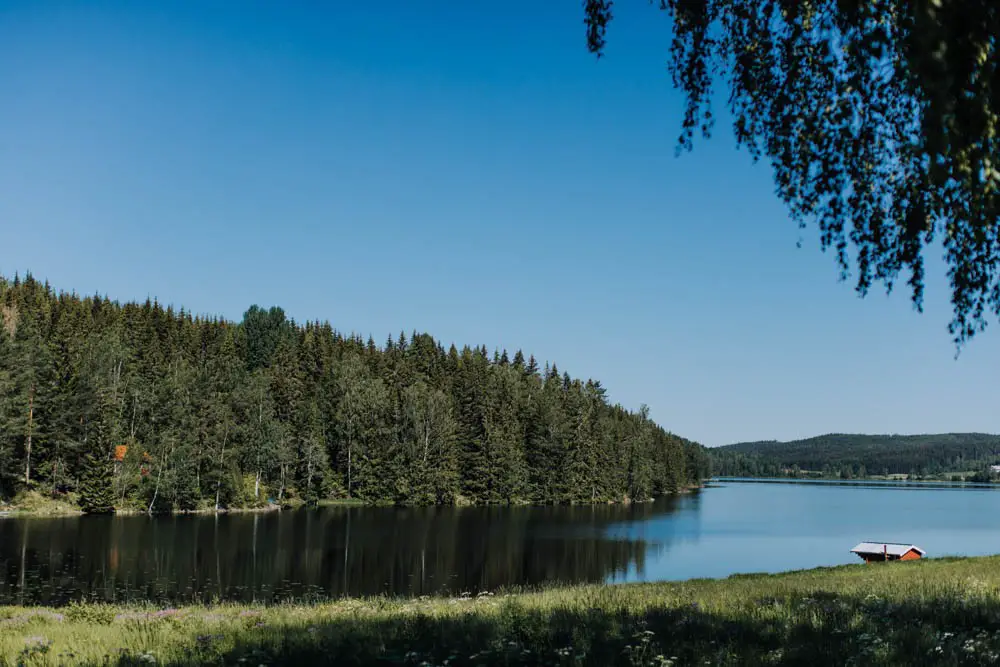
[[857, 455]]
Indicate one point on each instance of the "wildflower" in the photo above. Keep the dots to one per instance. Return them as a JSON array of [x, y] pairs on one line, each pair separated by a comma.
[[38, 643], [166, 613]]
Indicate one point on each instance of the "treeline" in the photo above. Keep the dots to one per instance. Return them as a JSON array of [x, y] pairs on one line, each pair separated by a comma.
[[856, 456], [142, 406]]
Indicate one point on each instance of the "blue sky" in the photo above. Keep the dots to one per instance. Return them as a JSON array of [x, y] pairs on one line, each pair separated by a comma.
[[449, 168]]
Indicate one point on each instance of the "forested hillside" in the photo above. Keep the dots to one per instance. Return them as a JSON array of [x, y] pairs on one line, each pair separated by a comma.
[[141, 406], [845, 455]]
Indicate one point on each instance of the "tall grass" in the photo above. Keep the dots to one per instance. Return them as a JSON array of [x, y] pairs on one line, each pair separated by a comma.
[[943, 611], [34, 503]]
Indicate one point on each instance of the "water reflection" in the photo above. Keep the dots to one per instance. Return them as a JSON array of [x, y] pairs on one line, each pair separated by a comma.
[[315, 554]]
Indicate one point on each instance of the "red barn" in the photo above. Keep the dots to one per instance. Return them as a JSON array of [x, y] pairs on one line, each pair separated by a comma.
[[871, 552]]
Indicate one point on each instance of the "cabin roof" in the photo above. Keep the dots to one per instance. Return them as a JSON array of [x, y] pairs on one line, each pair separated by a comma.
[[891, 548]]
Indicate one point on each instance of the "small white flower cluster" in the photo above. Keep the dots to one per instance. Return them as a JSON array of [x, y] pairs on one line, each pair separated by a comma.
[[644, 653], [412, 657]]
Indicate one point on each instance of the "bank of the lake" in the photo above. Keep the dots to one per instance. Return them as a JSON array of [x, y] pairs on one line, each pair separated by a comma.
[[943, 611], [35, 504], [38, 505]]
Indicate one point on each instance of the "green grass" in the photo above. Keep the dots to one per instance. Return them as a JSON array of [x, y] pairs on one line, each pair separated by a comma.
[[942, 611], [38, 504], [341, 502]]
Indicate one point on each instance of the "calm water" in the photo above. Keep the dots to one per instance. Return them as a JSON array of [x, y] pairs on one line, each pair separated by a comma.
[[309, 554]]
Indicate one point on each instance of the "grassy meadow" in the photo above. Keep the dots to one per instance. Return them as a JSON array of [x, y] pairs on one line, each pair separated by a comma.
[[940, 611]]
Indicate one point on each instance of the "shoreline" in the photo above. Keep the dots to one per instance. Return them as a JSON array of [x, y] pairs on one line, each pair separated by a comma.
[[856, 481], [902, 478], [14, 512], [57, 509], [921, 612]]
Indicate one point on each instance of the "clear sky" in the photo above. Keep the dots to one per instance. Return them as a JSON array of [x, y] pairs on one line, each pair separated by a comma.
[[461, 168]]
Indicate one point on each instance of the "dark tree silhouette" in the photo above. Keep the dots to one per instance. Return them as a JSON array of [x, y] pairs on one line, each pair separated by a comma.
[[879, 118]]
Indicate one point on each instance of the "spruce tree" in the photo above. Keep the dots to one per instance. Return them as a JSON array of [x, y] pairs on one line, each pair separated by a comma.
[[9, 468], [97, 493]]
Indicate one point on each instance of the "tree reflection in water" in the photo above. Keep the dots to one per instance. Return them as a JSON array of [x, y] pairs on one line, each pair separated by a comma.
[[317, 554]]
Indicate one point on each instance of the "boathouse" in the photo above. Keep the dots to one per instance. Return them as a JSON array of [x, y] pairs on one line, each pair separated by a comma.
[[871, 552]]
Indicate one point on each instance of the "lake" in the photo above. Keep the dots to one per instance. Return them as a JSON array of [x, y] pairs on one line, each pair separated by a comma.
[[732, 526]]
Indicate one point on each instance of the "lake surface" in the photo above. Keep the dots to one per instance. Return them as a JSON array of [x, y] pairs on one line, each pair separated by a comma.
[[733, 526]]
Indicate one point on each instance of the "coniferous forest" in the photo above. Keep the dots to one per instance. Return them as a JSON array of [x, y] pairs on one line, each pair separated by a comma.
[[144, 407], [856, 455]]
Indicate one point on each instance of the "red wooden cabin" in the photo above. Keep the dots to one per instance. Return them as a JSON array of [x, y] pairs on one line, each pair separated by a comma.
[[871, 552]]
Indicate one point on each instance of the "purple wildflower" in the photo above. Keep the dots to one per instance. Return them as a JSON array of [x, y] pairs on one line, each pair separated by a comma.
[[164, 613]]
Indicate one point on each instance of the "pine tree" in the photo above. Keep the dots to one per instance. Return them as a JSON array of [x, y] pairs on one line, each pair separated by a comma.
[[97, 493], [519, 360], [9, 468]]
